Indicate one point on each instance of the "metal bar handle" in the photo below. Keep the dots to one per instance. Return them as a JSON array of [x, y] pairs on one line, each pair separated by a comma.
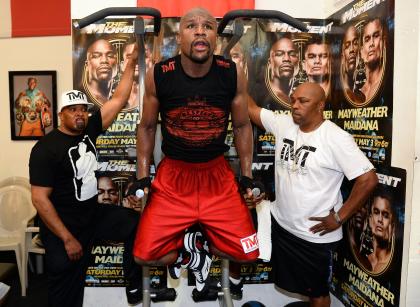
[[269, 14], [121, 11]]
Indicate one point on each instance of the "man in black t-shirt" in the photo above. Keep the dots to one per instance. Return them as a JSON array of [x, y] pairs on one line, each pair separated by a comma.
[[62, 169], [195, 93]]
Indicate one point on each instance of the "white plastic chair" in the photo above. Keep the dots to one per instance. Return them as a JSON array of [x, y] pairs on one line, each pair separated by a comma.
[[16, 210], [16, 180]]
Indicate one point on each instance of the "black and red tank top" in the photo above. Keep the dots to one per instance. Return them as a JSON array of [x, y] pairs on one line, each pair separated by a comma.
[[195, 111]]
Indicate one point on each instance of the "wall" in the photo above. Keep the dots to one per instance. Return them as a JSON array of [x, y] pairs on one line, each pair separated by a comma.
[[41, 53], [410, 72]]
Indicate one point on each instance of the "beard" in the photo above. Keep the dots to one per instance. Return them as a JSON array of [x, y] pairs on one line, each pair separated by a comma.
[[80, 125], [198, 59]]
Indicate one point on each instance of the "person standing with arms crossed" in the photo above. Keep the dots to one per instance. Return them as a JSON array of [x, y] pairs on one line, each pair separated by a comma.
[[312, 156]]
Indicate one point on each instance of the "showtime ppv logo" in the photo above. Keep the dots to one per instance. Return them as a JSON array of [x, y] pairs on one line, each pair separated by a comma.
[[250, 243]]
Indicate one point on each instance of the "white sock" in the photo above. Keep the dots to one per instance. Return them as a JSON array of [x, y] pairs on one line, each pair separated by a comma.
[[235, 281]]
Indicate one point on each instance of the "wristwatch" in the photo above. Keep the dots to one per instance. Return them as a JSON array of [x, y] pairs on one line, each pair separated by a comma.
[[337, 218]]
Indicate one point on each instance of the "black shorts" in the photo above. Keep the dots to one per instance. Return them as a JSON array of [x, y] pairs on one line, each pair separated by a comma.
[[300, 266]]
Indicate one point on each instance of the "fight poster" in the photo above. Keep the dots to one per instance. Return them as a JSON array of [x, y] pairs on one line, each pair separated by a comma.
[[99, 60], [367, 264], [105, 268], [364, 60]]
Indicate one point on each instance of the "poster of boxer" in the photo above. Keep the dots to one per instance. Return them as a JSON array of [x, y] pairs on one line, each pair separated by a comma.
[[364, 63], [367, 265], [99, 59]]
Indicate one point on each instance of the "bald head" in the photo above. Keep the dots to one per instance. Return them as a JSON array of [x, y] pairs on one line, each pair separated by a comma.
[[308, 102], [197, 11], [314, 90]]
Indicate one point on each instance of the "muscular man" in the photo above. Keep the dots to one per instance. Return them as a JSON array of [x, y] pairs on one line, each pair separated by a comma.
[[317, 63], [282, 64], [195, 92], [382, 223], [34, 107], [101, 69], [312, 156], [373, 43], [62, 169]]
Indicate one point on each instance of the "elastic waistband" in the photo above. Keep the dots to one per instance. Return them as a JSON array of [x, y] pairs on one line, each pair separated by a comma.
[[193, 165]]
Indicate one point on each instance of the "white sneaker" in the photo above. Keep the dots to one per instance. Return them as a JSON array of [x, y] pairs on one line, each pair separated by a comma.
[[201, 272], [195, 242]]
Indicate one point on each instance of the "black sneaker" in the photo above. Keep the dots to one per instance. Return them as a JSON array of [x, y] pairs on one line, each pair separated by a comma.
[[174, 271], [208, 294], [134, 295], [236, 290]]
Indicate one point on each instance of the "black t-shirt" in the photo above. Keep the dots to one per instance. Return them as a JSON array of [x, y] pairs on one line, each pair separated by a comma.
[[67, 164], [195, 111]]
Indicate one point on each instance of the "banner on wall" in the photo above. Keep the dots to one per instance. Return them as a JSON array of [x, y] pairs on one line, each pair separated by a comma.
[[363, 102], [99, 54], [367, 264]]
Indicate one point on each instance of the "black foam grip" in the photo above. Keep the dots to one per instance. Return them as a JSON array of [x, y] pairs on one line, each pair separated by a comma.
[[164, 294], [268, 14], [121, 11]]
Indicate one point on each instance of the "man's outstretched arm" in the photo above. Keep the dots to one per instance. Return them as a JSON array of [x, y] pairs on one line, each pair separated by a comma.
[[254, 112], [111, 108], [147, 128], [242, 128]]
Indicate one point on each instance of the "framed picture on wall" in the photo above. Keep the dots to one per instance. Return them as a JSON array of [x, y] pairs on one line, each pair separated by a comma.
[[33, 103]]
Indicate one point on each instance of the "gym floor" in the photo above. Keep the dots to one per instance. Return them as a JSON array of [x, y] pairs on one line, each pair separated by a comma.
[[36, 294]]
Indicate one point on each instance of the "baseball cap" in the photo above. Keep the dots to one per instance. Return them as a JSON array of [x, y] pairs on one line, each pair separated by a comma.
[[73, 97]]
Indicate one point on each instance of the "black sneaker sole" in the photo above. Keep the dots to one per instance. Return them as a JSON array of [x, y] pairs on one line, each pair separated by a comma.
[[210, 294]]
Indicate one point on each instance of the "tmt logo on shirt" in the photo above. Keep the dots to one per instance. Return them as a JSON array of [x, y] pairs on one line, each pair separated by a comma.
[[250, 243], [293, 159], [169, 67]]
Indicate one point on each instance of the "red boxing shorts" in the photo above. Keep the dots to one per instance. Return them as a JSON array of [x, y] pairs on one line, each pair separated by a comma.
[[184, 194]]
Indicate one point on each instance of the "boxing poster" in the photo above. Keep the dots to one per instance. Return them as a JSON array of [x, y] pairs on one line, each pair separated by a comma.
[[105, 269], [367, 264], [99, 59], [364, 60]]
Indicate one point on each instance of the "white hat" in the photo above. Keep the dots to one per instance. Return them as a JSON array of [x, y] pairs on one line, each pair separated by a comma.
[[73, 97]]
